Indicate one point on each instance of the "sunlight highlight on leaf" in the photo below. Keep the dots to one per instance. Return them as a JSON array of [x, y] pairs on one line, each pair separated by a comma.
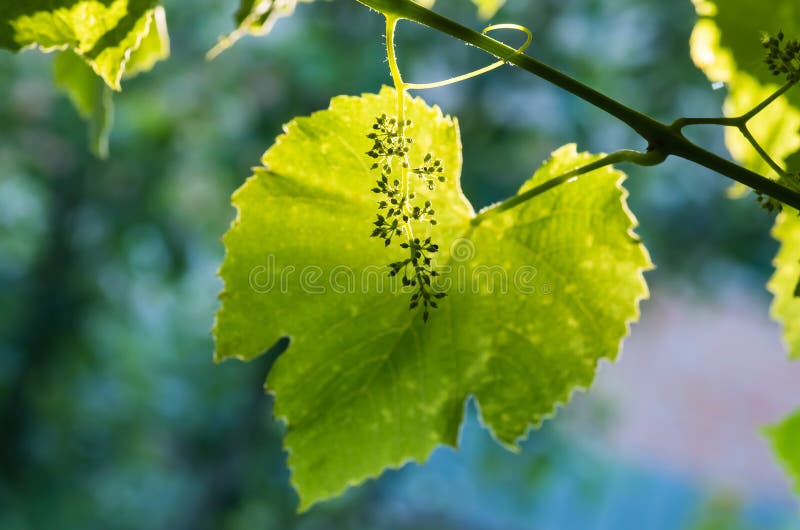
[[91, 96], [104, 34]]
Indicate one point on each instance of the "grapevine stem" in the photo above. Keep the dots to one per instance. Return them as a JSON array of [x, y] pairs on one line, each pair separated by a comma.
[[667, 139], [737, 121], [740, 122], [760, 150], [680, 123], [764, 104]]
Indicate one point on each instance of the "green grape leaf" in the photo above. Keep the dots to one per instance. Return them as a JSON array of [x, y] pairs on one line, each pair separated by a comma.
[[785, 440], [90, 95], [784, 283], [154, 47], [104, 34], [537, 295], [725, 45], [727, 37]]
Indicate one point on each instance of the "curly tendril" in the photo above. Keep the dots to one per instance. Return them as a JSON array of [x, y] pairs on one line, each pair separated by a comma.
[[485, 69]]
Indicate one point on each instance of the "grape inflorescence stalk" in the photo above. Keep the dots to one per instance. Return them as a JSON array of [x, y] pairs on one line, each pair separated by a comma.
[[398, 207]]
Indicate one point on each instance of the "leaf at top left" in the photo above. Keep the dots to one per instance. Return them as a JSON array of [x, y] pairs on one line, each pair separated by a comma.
[[104, 34], [97, 44]]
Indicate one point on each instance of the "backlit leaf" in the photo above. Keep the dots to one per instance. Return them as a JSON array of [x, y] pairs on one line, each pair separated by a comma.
[[725, 44], [537, 295], [104, 34], [91, 96]]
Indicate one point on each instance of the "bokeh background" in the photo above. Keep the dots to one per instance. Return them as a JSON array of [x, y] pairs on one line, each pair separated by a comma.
[[114, 416]]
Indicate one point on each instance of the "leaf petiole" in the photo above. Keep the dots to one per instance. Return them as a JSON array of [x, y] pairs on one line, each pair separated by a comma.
[[648, 158]]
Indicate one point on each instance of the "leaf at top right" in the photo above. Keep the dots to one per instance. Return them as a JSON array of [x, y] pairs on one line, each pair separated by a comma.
[[726, 45]]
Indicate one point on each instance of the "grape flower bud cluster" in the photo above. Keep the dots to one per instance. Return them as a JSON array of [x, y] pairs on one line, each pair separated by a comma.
[[783, 56], [397, 208]]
